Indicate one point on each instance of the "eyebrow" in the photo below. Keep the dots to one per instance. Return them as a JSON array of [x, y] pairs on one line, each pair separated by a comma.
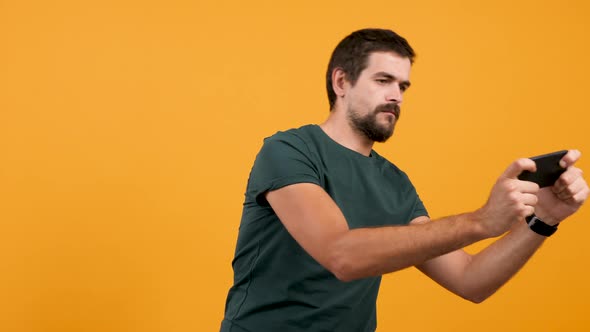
[[392, 77]]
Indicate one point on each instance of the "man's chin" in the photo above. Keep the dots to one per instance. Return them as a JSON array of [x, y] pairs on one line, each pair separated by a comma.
[[385, 134]]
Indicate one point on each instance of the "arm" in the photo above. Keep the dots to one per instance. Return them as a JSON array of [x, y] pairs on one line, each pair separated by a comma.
[[477, 277], [317, 224]]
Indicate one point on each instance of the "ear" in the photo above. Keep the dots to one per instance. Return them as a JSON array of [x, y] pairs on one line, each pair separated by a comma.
[[339, 82]]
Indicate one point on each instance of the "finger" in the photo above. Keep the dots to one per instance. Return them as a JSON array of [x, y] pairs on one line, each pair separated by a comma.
[[529, 210], [528, 187], [529, 199], [518, 166], [579, 198], [571, 190], [570, 158], [568, 177]]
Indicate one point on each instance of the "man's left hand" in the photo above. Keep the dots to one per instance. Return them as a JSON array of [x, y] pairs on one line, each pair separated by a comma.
[[566, 196]]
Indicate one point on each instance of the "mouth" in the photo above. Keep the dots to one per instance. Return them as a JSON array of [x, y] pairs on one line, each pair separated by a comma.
[[396, 114], [392, 112], [391, 109]]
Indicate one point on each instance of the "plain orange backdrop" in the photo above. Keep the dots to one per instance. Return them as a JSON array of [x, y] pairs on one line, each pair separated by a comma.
[[128, 129]]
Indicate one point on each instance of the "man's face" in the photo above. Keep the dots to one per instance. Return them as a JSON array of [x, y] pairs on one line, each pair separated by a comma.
[[373, 102]]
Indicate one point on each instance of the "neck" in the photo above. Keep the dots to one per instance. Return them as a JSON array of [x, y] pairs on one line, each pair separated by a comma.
[[339, 129]]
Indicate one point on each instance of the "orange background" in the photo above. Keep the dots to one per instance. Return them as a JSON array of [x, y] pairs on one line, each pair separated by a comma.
[[128, 129]]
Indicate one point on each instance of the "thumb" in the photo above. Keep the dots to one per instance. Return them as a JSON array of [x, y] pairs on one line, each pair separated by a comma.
[[518, 166], [570, 158]]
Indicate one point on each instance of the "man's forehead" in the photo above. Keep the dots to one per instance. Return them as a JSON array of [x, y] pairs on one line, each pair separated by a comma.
[[388, 62]]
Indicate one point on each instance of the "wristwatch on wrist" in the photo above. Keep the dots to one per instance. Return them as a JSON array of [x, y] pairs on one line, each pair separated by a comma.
[[538, 226]]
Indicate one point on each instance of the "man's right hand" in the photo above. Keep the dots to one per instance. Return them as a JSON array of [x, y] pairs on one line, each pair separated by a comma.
[[510, 200]]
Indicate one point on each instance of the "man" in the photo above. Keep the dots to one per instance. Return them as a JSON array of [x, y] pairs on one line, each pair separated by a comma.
[[325, 215]]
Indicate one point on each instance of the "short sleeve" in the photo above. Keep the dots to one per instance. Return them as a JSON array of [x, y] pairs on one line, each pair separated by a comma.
[[284, 159], [411, 195], [419, 209]]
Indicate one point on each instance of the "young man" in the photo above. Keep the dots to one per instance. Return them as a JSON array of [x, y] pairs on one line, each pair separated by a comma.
[[325, 215]]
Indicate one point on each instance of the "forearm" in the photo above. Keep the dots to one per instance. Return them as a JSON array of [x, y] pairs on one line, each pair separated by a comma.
[[488, 270], [374, 251]]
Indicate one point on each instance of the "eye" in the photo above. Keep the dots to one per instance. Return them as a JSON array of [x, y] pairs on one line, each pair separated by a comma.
[[382, 80]]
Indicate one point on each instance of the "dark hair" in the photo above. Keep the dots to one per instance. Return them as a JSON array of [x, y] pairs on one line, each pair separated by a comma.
[[352, 53]]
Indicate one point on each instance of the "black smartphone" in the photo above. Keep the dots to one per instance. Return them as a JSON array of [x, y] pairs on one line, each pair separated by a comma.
[[548, 169]]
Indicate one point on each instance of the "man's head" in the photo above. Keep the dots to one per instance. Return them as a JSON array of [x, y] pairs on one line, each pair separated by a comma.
[[368, 73], [352, 54]]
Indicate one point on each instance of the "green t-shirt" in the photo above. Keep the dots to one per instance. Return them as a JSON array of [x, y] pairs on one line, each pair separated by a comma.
[[278, 286]]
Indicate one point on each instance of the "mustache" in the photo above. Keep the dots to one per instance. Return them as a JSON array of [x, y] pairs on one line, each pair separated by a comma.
[[391, 107]]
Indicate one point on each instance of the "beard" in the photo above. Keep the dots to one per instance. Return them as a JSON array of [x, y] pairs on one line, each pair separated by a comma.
[[368, 125]]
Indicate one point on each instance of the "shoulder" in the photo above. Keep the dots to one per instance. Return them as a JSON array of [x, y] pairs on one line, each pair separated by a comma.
[[295, 135], [300, 139], [295, 143], [285, 158]]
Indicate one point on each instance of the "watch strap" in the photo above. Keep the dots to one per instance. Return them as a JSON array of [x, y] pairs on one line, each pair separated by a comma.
[[538, 226]]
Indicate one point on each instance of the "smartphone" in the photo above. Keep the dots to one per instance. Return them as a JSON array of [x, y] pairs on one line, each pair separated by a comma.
[[548, 169]]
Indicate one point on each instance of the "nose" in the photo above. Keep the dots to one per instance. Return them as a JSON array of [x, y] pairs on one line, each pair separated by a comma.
[[395, 94]]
